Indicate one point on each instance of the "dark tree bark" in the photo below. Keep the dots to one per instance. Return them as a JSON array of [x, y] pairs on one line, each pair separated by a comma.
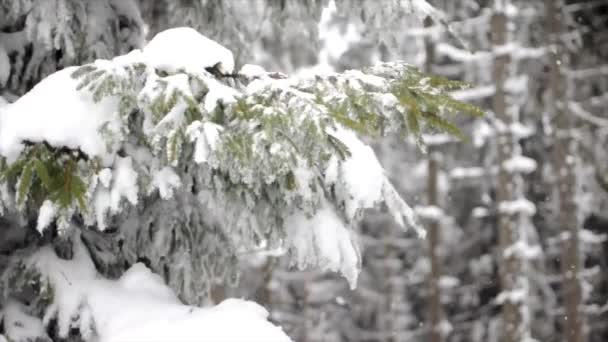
[[434, 302], [564, 165], [510, 264]]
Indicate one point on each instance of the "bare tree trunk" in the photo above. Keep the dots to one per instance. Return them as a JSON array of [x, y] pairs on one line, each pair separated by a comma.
[[390, 319], [435, 311], [264, 294], [509, 263], [218, 293], [306, 310], [565, 165]]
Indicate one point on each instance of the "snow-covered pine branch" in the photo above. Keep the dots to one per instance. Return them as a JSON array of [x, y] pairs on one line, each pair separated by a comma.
[[186, 168]]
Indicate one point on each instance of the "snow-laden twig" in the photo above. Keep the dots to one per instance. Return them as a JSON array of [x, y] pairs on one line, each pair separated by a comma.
[[580, 112]]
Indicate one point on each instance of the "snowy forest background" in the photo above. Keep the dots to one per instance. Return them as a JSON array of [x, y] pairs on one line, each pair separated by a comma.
[[516, 216]]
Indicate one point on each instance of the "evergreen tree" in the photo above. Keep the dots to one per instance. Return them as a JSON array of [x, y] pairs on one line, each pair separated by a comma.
[[169, 157], [38, 38]]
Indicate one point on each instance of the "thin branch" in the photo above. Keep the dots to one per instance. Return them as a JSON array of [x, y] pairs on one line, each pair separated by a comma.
[[579, 111], [59, 150], [601, 70]]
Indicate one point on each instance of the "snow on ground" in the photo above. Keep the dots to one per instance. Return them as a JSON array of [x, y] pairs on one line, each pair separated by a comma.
[[18, 325], [140, 307]]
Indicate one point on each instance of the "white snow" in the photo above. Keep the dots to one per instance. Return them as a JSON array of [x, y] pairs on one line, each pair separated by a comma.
[[218, 93], [19, 325], [521, 206], [520, 130], [517, 52], [140, 307], [476, 93], [371, 80], [251, 71], [206, 135], [55, 112], [422, 8], [325, 241], [523, 52], [482, 131], [304, 176], [479, 212], [517, 85], [523, 250], [460, 55], [514, 296], [166, 180], [519, 164], [102, 206], [448, 282], [46, 214], [125, 183], [437, 139], [587, 236], [335, 42], [362, 174], [467, 172], [361, 183], [401, 210], [429, 212], [184, 48], [444, 327], [506, 49], [231, 320], [105, 177]]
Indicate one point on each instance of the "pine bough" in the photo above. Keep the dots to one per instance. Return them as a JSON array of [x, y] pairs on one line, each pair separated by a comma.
[[169, 156]]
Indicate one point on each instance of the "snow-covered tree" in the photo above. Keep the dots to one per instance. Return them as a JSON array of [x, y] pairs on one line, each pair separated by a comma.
[[513, 209], [169, 156], [285, 34], [476, 211]]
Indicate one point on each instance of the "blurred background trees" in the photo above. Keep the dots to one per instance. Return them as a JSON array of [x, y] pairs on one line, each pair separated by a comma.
[[517, 215]]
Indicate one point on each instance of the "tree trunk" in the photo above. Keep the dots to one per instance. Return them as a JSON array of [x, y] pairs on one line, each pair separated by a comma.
[[565, 165], [510, 264], [435, 312]]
